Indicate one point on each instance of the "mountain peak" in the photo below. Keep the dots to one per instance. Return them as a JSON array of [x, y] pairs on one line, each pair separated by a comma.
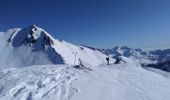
[[124, 47], [33, 25], [32, 45]]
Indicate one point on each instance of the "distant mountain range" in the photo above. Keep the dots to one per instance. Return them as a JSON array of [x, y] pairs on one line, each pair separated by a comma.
[[155, 58]]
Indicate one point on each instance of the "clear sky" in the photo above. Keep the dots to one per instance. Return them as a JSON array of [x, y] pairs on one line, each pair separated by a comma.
[[97, 23]]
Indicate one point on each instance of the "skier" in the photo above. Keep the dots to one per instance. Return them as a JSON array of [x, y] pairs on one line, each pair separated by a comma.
[[107, 59]]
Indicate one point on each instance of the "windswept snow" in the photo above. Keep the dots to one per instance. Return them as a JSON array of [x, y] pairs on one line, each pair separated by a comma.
[[37, 83], [63, 82]]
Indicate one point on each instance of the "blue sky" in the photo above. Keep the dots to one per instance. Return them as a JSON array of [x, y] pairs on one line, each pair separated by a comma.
[[97, 23]]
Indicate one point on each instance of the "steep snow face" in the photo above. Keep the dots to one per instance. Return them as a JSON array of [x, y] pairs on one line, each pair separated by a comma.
[[25, 47], [34, 46], [63, 82]]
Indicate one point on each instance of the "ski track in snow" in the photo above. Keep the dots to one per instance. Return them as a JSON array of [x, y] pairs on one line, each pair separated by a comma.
[[39, 84]]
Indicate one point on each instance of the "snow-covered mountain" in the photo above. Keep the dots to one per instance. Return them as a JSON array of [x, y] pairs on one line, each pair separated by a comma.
[[34, 46], [159, 55], [154, 58], [52, 76], [162, 55]]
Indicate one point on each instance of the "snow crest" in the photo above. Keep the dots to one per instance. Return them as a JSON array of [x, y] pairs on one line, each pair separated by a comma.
[[34, 46]]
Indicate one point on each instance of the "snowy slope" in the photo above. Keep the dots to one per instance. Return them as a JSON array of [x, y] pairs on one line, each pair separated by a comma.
[[33, 46], [62, 82], [16, 51]]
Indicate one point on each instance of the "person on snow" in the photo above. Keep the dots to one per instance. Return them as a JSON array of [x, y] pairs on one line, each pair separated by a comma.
[[107, 59]]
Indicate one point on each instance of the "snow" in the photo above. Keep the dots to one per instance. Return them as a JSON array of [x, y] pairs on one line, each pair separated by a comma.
[[37, 82], [69, 51], [42, 71], [140, 56], [62, 82], [17, 51], [123, 82]]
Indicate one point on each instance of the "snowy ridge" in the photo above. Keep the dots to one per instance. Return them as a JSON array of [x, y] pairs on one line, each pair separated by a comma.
[[34, 46]]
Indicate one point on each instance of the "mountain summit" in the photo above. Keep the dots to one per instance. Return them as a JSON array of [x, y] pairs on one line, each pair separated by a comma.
[[34, 46]]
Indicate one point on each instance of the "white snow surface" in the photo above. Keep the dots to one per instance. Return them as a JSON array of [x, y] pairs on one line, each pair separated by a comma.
[[124, 81], [16, 52], [27, 71]]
